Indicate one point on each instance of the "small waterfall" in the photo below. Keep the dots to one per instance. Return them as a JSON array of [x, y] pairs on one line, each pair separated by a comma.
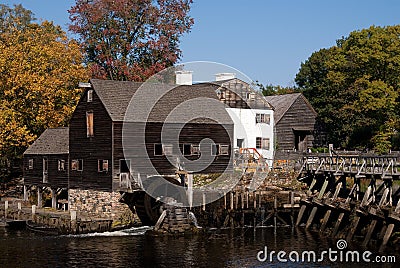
[[193, 219]]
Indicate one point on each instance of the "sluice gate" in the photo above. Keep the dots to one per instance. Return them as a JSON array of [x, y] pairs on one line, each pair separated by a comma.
[[351, 196]]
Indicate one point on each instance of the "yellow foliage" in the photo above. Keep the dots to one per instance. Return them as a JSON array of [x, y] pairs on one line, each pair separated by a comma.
[[40, 69]]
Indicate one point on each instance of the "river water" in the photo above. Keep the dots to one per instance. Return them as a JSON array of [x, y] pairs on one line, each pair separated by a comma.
[[132, 248]]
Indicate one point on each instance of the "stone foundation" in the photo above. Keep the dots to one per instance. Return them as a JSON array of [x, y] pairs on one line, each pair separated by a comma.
[[98, 204]]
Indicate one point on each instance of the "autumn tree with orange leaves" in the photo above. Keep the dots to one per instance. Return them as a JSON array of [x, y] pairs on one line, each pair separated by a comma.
[[40, 69], [130, 39]]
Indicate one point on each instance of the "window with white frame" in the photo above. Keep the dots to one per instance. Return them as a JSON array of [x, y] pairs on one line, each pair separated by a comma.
[[263, 118], [190, 149], [186, 149], [219, 149], [102, 165], [90, 95], [162, 149], [195, 149], [124, 165], [30, 164], [89, 124], [77, 164], [262, 143], [61, 165], [223, 149]]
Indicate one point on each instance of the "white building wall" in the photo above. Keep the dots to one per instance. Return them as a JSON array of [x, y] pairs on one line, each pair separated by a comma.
[[245, 127]]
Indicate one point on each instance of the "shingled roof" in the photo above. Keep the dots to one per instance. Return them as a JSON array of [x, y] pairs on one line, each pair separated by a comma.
[[155, 102], [52, 141], [115, 95], [282, 104]]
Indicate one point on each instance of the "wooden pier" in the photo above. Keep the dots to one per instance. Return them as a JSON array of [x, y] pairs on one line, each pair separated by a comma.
[[351, 196]]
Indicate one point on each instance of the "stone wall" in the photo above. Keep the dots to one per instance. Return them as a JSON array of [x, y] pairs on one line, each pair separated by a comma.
[[98, 204]]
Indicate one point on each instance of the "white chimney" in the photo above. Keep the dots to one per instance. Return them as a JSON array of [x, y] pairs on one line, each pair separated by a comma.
[[183, 77], [224, 76]]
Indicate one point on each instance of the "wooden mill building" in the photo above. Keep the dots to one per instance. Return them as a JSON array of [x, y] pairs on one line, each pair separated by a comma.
[[46, 162], [116, 131], [121, 129], [294, 122]]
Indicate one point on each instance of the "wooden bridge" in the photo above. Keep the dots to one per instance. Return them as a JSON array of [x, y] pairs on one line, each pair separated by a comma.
[[358, 166], [359, 189]]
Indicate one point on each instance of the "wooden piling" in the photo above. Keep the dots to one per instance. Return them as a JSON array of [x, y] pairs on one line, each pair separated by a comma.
[[325, 220], [311, 218], [225, 200], [353, 228], [300, 215], [231, 201], [386, 238], [39, 197], [337, 225], [204, 201], [189, 189], [5, 208], [236, 200], [247, 199], [369, 233]]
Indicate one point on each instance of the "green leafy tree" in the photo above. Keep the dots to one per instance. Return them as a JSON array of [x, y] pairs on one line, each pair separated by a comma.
[[268, 90], [354, 87], [130, 39]]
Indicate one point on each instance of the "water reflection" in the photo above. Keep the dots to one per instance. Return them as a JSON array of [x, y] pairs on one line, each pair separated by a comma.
[[131, 248]]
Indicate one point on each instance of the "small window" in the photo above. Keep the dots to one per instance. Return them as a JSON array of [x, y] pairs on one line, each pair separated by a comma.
[[262, 118], [77, 164], [186, 149], [219, 149], [262, 143], [124, 166], [61, 165], [89, 124], [224, 149], [158, 149], [45, 165], [167, 149], [214, 149], [240, 143], [30, 163], [102, 165], [162, 149], [90, 95], [195, 149]]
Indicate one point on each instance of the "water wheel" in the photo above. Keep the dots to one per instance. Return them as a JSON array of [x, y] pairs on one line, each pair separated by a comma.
[[148, 207]]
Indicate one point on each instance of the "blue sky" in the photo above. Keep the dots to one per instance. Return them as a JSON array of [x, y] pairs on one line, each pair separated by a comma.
[[265, 39]]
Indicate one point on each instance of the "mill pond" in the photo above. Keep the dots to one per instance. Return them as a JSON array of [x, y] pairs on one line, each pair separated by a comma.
[[133, 248]]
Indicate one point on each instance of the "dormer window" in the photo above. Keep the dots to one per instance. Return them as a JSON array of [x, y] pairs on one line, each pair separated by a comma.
[[90, 95]]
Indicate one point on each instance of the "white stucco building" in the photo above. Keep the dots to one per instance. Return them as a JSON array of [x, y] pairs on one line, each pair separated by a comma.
[[252, 115]]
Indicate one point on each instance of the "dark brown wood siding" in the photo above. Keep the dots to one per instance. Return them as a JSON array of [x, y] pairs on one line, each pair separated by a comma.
[[191, 133], [55, 178], [298, 117], [90, 149]]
